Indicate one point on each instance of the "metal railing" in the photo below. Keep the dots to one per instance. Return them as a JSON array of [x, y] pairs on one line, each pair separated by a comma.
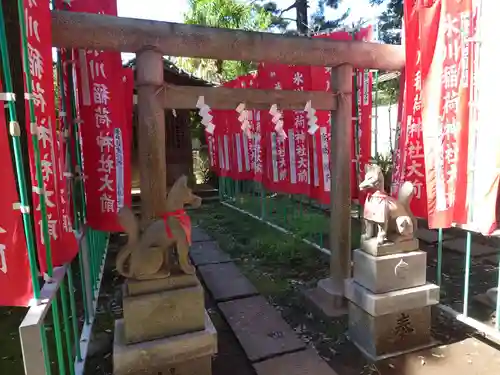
[[55, 332]]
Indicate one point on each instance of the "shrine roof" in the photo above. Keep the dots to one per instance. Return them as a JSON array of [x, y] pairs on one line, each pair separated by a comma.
[[175, 75]]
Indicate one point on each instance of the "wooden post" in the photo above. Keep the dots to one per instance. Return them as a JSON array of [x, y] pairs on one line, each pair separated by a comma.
[[340, 164], [329, 294], [151, 133]]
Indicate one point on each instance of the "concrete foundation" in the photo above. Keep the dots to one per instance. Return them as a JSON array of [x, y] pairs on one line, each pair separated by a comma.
[[188, 354]]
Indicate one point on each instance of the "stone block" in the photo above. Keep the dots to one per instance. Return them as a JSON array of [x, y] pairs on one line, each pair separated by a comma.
[[163, 314], [373, 248], [199, 235], [259, 328], [379, 336], [430, 236], [389, 272], [207, 253], [188, 354], [391, 302], [225, 281], [306, 362], [459, 245], [138, 287]]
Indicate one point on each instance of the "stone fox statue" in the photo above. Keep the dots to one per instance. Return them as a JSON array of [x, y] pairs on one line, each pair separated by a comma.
[[392, 216], [147, 257]]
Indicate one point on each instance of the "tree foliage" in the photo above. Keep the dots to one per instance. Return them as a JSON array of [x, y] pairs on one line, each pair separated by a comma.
[[230, 14], [390, 24], [305, 24], [391, 21]]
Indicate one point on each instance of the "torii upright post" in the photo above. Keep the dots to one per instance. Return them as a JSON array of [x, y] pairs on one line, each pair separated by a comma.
[[152, 161], [329, 294]]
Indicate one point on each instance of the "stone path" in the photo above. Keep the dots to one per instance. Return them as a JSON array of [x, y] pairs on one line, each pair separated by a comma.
[[269, 342]]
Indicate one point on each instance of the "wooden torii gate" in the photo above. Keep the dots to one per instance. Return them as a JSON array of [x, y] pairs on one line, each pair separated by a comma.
[[150, 40]]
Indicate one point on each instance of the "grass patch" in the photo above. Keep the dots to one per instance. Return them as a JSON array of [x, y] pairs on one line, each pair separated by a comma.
[[297, 214], [281, 266]]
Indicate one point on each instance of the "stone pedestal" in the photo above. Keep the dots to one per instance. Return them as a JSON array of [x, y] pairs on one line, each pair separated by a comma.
[[164, 329], [390, 301]]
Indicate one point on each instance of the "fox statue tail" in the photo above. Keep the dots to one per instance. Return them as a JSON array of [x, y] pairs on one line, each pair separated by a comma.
[[130, 225], [405, 195]]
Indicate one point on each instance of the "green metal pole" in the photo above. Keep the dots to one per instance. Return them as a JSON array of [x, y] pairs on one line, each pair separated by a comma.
[[440, 256], [62, 93], [77, 186], [21, 182], [39, 178], [19, 163], [67, 325], [74, 316]]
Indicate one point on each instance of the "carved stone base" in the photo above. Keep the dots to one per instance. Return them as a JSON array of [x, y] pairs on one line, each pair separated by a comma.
[[188, 354], [381, 336], [373, 248], [389, 272], [161, 308], [391, 302]]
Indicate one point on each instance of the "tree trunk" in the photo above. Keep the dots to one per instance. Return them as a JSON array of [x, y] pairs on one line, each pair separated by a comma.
[[302, 20]]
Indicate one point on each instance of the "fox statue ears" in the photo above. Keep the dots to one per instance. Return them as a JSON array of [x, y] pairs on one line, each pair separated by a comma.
[[372, 168]]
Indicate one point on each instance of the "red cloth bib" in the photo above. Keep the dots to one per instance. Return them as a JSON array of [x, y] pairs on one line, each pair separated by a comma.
[[375, 207], [183, 219]]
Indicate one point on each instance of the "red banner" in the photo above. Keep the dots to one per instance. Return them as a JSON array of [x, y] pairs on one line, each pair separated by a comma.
[[446, 77], [15, 277], [292, 161], [277, 167], [106, 132], [63, 248], [408, 161], [364, 100], [476, 203], [240, 141]]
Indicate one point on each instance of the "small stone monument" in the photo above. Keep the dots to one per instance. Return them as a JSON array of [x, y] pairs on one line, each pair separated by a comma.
[[389, 299], [165, 328]]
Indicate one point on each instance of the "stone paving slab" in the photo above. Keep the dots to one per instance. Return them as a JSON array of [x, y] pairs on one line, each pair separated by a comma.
[[468, 357], [226, 282], [491, 259], [430, 236], [306, 362], [477, 250], [260, 329], [199, 235], [207, 253]]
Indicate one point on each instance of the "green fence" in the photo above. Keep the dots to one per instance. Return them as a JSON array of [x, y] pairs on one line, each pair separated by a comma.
[[55, 332], [467, 280]]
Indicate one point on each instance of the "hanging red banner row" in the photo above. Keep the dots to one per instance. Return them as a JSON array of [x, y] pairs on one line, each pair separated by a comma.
[[300, 162]]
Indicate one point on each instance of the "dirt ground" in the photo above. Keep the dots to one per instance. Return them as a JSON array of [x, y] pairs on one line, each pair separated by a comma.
[[281, 268]]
